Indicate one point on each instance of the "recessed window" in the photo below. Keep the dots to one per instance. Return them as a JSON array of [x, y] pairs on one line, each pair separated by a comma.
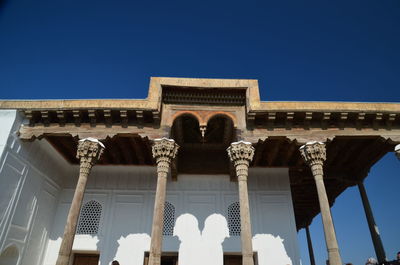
[[169, 219], [89, 218], [234, 219]]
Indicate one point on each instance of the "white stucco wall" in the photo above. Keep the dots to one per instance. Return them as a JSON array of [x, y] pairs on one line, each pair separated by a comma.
[[37, 185], [127, 197], [31, 174]]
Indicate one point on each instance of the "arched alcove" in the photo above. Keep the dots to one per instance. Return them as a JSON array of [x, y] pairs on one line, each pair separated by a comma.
[[220, 130], [186, 129], [9, 256], [202, 148]]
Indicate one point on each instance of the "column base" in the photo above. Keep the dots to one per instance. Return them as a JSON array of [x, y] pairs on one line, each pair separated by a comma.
[[154, 259], [62, 260], [247, 259]]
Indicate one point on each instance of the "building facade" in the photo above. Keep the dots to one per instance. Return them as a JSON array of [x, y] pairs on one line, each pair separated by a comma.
[[201, 171]]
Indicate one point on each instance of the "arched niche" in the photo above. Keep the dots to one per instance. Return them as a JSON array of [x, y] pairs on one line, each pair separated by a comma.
[[9, 256], [202, 145], [186, 129], [220, 130]]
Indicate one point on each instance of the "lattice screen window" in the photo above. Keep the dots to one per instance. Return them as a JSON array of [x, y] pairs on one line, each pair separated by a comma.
[[89, 218], [234, 219], [169, 219]]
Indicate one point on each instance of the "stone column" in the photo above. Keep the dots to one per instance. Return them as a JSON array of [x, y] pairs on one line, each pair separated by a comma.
[[397, 151], [314, 155], [89, 152], [373, 228], [241, 153], [164, 150], [310, 247]]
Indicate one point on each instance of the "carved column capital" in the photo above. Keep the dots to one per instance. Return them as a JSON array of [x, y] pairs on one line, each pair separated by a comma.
[[164, 150], [241, 153], [397, 151], [89, 152], [313, 153]]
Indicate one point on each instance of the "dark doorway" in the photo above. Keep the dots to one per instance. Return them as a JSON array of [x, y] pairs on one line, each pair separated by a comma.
[[166, 258], [232, 259], [86, 259]]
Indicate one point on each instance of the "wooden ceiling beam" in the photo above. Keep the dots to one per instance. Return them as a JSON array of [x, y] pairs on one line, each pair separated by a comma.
[[274, 152], [147, 148], [123, 144], [61, 148], [258, 153], [137, 150], [333, 150], [112, 150]]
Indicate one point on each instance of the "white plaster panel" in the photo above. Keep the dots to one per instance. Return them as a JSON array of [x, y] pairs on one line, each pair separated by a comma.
[[127, 194], [40, 230], [30, 176], [10, 180], [7, 118], [274, 216]]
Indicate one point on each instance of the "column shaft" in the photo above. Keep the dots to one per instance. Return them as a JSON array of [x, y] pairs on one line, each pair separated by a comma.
[[314, 154], [89, 151], [158, 219], [329, 230], [373, 228], [245, 224], [241, 153], [310, 247], [72, 220], [164, 150]]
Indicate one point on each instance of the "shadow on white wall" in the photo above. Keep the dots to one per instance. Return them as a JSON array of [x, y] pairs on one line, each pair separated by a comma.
[[201, 248], [271, 250], [131, 249]]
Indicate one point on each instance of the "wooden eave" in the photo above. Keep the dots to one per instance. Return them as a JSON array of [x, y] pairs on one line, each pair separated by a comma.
[[324, 115], [357, 135]]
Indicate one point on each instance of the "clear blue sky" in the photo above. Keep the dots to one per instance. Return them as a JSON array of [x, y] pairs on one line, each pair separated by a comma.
[[298, 50]]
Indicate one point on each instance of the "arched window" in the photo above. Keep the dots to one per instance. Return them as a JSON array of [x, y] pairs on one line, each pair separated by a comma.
[[9, 256], [234, 219], [169, 219], [89, 218]]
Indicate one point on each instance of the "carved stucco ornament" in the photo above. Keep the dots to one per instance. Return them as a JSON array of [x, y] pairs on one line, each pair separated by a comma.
[[89, 152], [164, 150], [314, 154], [241, 153]]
